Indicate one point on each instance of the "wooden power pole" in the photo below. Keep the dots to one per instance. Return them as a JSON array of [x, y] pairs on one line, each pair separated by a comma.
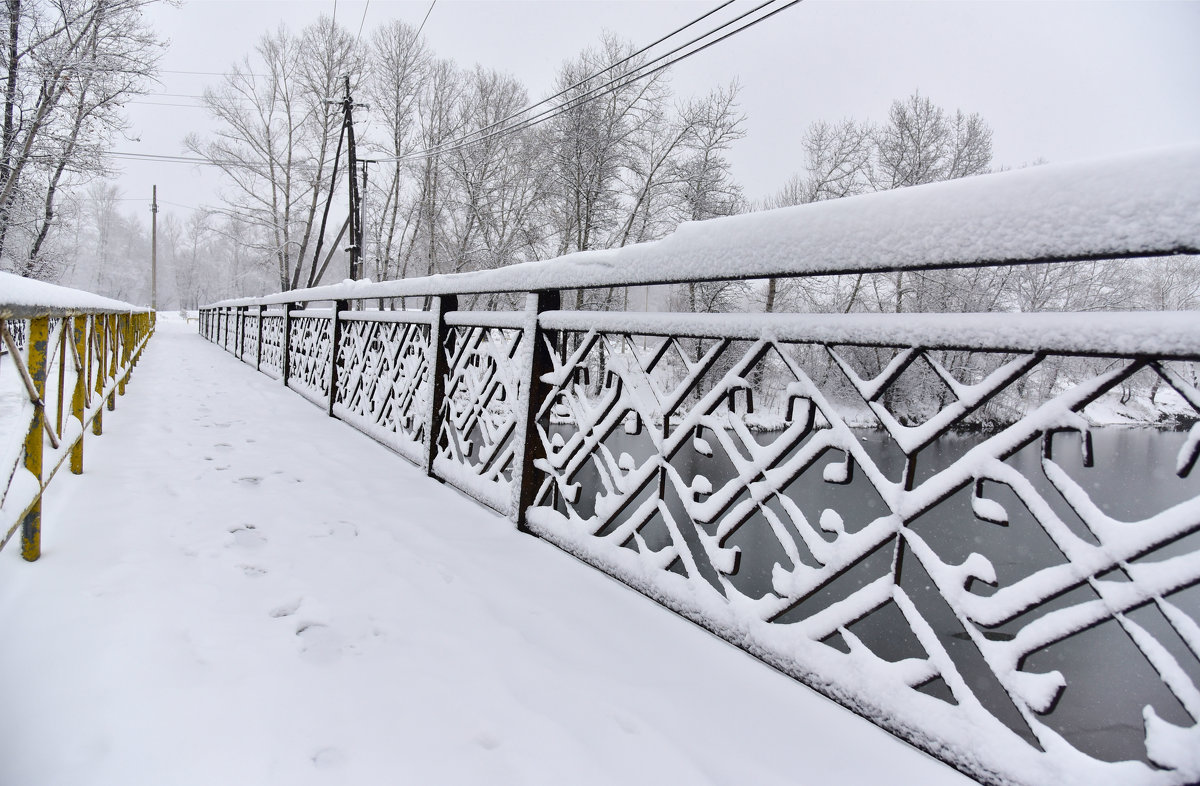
[[154, 249], [355, 197]]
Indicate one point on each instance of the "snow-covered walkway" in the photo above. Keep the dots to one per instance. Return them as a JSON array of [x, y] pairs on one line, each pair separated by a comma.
[[240, 590]]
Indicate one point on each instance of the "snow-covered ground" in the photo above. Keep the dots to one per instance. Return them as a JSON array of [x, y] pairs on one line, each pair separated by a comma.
[[240, 590]]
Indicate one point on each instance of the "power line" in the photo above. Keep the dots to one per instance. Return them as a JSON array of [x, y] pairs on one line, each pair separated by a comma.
[[621, 62], [595, 93], [164, 103], [211, 73], [426, 19], [590, 95], [362, 22]]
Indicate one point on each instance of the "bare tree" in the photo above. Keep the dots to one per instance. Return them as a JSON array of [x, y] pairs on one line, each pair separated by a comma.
[[398, 68], [278, 124], [706, 186], [69, 66], [494, 184]]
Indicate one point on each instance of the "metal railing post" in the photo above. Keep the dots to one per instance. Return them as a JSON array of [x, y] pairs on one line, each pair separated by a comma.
[[240, 339], [285, 367], [530, 447], [124, 334], [259, 340], [80, 392], [335, 338], [112, 359], [36, 347], [439, 368], [100, 342]]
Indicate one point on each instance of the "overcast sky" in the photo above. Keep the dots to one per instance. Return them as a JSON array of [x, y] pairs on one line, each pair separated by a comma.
[[1056, 80]]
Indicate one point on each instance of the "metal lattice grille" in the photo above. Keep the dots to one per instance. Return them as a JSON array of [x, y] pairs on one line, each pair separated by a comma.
[[383, 380], [476, 448], [992, 577], [271, 359], [310, 355]]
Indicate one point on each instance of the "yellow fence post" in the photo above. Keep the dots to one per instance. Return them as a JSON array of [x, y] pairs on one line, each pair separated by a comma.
[[31, 524], [112, 359], [100, 339], [124, 332], [80, 392]]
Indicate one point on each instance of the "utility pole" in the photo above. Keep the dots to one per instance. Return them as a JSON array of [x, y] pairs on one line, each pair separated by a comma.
[[154, 249], [355, 248], [362, 214]]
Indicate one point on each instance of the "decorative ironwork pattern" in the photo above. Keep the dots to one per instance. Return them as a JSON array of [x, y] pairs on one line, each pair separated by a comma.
[[990, 585], [909, 512], [249, 337], [271, 360], [476, 449], [383, 382], [310, 355]]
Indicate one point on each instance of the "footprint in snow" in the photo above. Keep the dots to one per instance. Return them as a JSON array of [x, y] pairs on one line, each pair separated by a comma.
[[286, 609], [247, 537], [486, 740], [223, 446], [319, 644], [253, 571], [338, 530], [249, 480], [328, 758]]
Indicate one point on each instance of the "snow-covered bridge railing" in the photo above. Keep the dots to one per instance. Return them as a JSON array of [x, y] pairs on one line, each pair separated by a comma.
[[911, 513], [67, 355]]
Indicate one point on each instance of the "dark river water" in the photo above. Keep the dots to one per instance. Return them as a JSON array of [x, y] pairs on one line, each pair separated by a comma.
[[1108, 680]]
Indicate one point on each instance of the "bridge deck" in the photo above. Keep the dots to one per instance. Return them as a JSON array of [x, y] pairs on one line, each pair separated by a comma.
[[240, 590]]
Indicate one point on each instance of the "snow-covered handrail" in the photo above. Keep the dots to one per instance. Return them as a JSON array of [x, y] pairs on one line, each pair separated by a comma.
[[68, 355], [24, 298], [1139, 205], [915, 514]]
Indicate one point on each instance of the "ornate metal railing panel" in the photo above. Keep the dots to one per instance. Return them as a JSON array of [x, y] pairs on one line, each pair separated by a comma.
[[972, 590], [911, 513], [310, 353], [249, 335], [383, 379], [477, 446], [270, 357]]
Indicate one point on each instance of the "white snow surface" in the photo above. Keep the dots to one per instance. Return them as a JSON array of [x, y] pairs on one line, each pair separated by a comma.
[[18, 294], [1145, 203], [241, 590]]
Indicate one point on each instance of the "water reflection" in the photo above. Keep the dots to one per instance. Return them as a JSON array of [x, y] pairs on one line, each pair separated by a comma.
[[1108, 680]]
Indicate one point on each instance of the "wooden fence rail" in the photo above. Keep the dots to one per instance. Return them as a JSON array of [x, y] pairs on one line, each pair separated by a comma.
[[68, 357]]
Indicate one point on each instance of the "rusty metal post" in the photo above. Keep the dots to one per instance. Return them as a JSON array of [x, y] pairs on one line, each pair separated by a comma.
[[112, 358], [441, 346], [285, 365], [335, 339], [258, 342], [80, 392], [36, 347], [124, 333], [239, 340], [531, 449], [62, 374], [100, 341]]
